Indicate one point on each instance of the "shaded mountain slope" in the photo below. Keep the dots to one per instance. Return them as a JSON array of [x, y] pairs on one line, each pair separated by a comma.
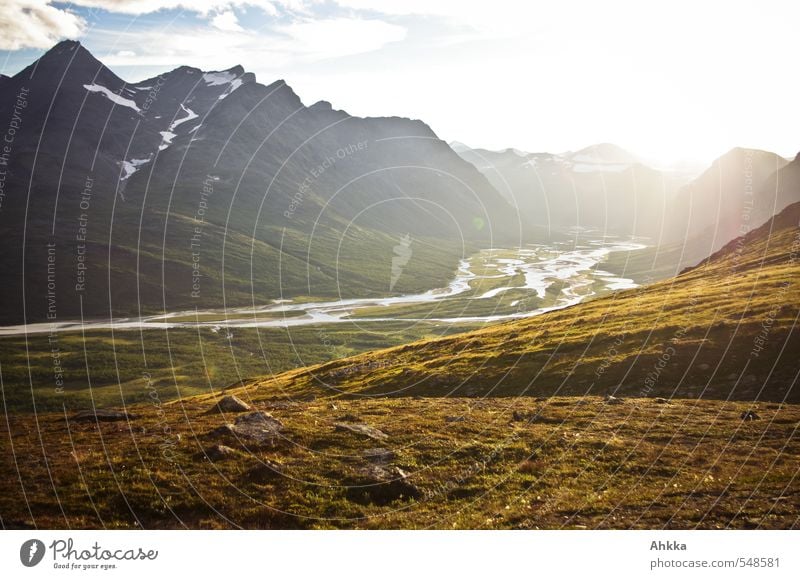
[[207, 188]]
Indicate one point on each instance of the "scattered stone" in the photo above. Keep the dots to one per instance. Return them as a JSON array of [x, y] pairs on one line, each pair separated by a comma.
[[362, 429], [259, 427], [231, 404], [381, 485], [703, 367], [219, 452], [659, 400], [454, 418], [733, 376], [349, 417], [614, 400], [749, 415], [224, 430], [518, 416], [102, 415], [750, 379], [379, 455], [265, 472]]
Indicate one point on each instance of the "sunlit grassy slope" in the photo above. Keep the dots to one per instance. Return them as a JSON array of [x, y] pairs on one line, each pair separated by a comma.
[[724, 329]]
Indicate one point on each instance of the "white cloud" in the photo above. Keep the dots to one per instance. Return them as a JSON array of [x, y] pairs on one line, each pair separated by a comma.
[[36, 24], [226, 21], [42, 23], [280, 46], [203, 7], [337, 37]]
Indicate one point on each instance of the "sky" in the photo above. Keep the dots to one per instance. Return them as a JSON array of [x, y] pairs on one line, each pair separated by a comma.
[[671, 81]]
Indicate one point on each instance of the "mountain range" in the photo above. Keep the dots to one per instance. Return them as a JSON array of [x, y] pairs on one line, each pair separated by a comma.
[[209, 189], [200, 189], [603, 187]]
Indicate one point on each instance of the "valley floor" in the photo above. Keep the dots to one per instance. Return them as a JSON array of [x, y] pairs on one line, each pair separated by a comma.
[[410, 462]]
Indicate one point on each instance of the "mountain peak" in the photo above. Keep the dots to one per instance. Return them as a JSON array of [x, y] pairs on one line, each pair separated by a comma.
[[66, 49], [238, 70], [72, 56], [606, 153], [66, 44], [281, 86]]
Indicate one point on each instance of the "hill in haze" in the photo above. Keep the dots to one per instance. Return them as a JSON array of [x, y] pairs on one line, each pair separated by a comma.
[[738, 192], [601, 187]]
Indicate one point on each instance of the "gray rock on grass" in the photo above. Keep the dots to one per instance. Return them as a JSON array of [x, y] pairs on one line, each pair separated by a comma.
[[362, 429]]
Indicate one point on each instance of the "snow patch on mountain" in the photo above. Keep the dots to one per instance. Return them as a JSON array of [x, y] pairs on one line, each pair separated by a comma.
[[221, 78], [130, 167], [190, 114], [115, 98], [218, 78], [166, 139], [233, 86]]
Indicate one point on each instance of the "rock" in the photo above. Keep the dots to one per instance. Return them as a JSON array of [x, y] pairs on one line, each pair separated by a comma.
[[659, 400], [348, 417], [258, 418], [102, 415], [363, 429], [381, 485], [614, 400], [224, 430], [749, 415], [379, 455], [260, 427], [232, 404], [518, 416], [454, 418], [265, 472], [219, 452]]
